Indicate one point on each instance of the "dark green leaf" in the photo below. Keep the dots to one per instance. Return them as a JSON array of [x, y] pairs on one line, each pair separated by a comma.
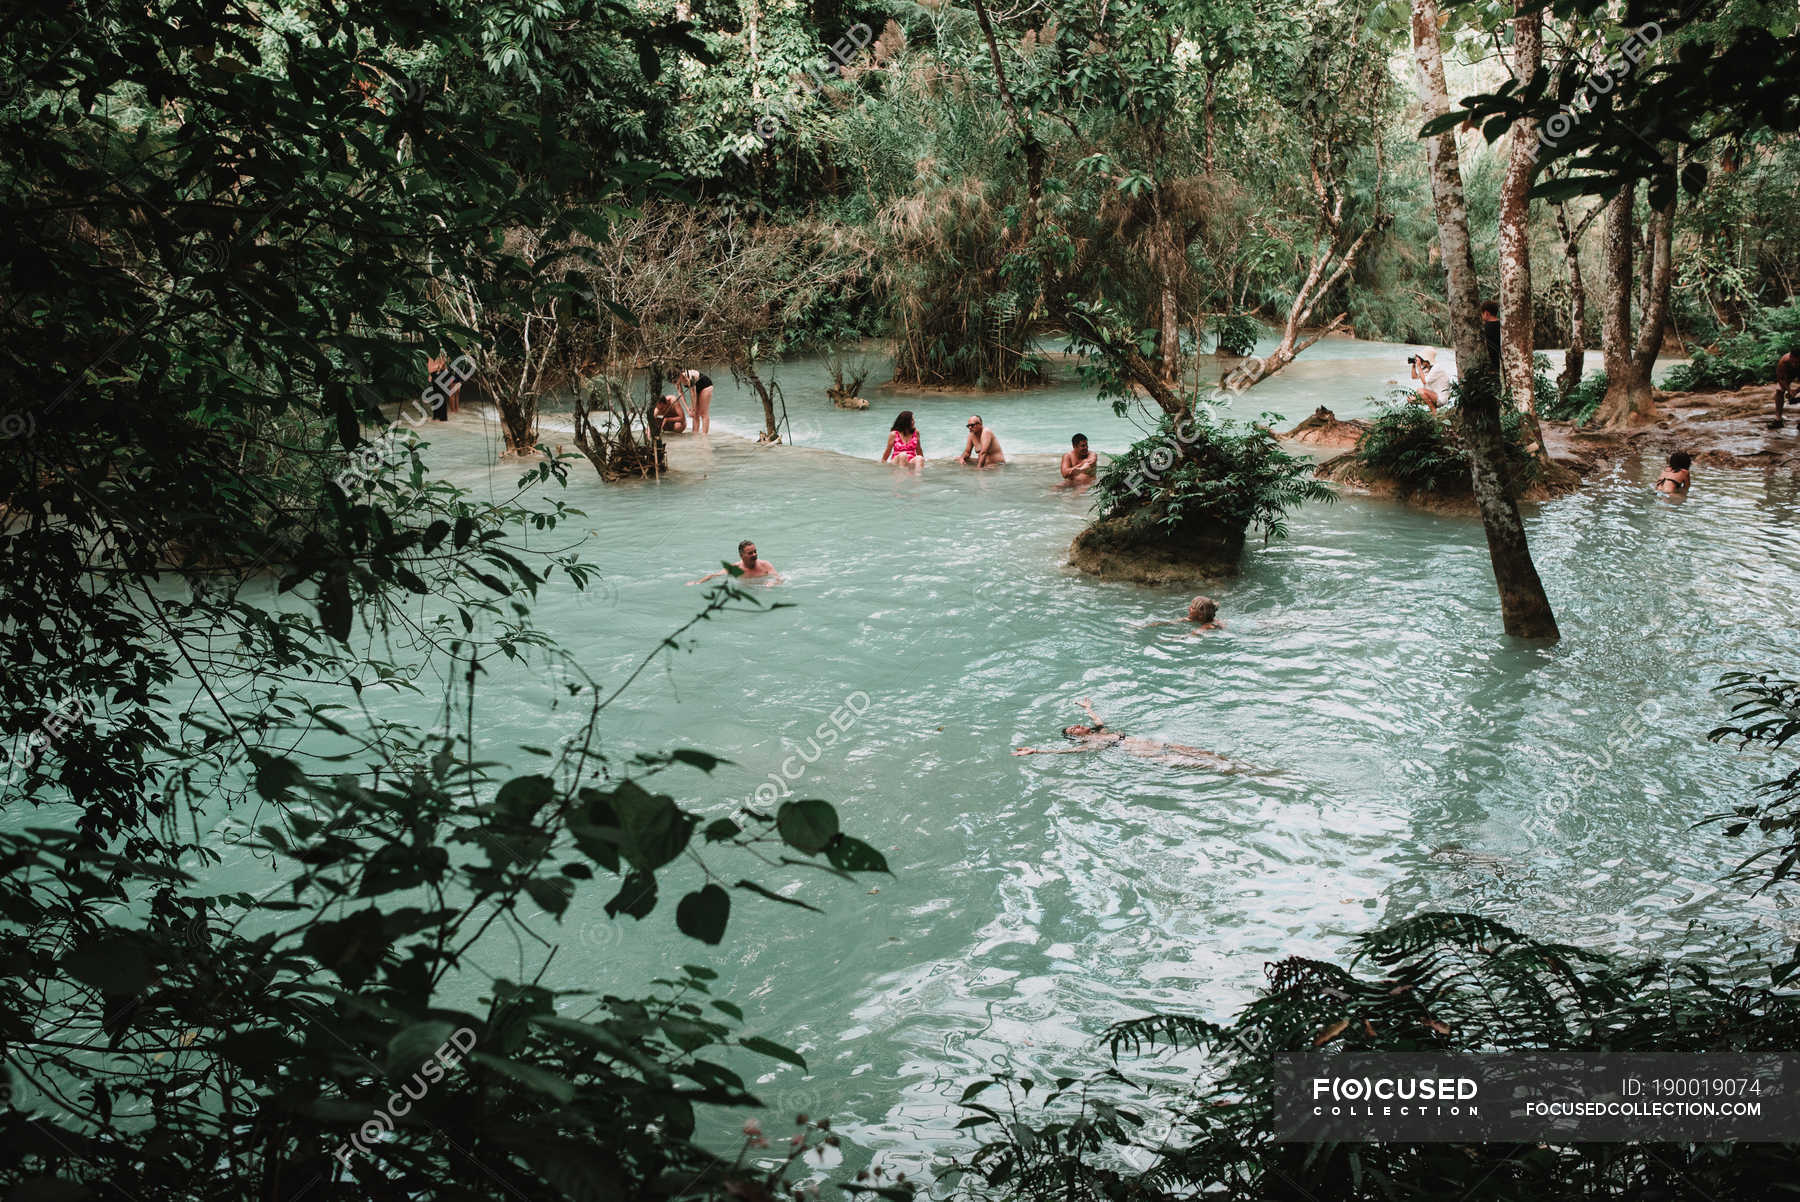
[[703, 914], [807, 826]]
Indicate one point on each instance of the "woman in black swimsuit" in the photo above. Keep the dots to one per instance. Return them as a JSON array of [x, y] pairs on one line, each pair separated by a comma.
[[702, 385], [1675, 478]]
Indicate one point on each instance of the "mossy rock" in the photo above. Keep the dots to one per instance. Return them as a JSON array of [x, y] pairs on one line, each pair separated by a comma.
[[1134, 545]]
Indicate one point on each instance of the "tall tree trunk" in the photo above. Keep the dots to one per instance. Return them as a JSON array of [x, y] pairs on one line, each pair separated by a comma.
[[1524, 607], [1615, 289], [1574, 361], [1212, 83], [1517, 320], [1629, 359], [1661, 278], [1169, 337], [1167, 251]]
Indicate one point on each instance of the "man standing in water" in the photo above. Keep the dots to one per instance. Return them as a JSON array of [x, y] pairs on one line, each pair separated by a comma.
[[1787, 381], [982, 445], [1079, 463], [748, 566]]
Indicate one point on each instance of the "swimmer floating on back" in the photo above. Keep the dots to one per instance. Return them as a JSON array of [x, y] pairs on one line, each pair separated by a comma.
[[1100, 736]]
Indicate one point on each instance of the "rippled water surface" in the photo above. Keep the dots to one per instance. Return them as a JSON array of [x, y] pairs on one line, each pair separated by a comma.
[[1402, 747]]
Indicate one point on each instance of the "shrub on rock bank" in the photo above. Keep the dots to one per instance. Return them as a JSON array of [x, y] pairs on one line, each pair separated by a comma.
[[1178, 504], [1422, 453]]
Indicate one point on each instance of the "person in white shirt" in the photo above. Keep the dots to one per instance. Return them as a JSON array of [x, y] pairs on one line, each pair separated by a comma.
[[1433, 378]]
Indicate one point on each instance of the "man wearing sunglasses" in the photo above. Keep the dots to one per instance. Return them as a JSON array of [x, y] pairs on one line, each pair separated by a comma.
[[982, 445]]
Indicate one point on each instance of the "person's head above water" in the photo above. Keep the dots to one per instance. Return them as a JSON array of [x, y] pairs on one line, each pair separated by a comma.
[[1202, 609], [975, 423], [1680, 461], [747, 552], [903, 423], [1079, 731], [1079, 442]]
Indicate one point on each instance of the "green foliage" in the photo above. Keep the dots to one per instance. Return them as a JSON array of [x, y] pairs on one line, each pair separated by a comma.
[[1203, 471], [230, 236], [1744, 358], [1410, 445], [1714, 75], [1422, 452], [1579, 403], [1236, 333], [1766, 713]]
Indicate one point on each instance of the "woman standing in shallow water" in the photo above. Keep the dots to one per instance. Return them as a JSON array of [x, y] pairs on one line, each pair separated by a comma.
[[903, 445], [701, 408]]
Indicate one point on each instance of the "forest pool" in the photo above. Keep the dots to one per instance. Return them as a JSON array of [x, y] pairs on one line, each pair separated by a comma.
[[1412, 757]]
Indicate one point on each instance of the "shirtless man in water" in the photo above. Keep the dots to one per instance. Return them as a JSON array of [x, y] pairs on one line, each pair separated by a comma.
[[670, 417], [982, 445], [748, 566], [1079, 463], [1100, 736]]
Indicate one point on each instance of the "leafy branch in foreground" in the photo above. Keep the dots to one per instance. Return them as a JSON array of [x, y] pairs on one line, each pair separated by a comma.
[[1201, 1123], [168, 1039]]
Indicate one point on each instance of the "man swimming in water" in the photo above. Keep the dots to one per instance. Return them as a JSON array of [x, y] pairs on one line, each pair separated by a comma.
[[748, 566], [981, 445], [1100, 736]]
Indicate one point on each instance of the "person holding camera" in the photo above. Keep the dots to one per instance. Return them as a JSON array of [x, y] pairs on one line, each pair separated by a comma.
[[1433, 378]]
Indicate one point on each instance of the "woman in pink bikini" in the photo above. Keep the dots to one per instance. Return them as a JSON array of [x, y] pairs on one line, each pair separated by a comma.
[[903, 442]]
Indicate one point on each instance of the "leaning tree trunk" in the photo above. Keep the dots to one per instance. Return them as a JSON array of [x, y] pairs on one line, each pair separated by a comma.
[[1331, 262], [1524, 607], [1661, 277], [1629, 400], [1517, 320]]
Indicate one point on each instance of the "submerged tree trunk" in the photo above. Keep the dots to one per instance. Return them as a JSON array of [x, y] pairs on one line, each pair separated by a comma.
[[744, 371], [518, 422], [1629, 400], [1517, 320], [1524, 607]]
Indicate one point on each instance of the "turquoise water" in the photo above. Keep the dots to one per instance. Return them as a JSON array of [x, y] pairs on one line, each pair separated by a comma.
[[1343, 373], [1404, 749], [1347, 375]]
